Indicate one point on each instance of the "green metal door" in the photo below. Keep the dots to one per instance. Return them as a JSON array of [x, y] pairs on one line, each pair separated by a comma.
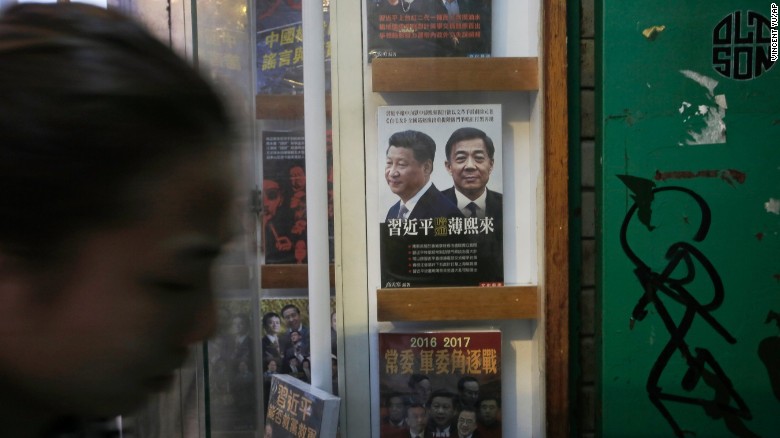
[[688, 211]]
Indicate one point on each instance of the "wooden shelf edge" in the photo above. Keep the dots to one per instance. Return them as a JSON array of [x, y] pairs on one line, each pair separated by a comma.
[[555, 129], [455, 74], [458, 303], [288, 276]]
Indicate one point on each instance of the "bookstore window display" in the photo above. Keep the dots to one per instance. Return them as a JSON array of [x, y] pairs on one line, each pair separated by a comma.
[[411, 84], [466, 79], [284, 221], [441, 257]]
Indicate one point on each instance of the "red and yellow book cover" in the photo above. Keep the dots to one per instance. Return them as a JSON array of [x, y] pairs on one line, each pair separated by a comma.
[[434, 382]]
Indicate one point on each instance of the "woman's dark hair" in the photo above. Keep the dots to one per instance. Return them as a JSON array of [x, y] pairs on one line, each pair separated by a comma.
[[89, 100]]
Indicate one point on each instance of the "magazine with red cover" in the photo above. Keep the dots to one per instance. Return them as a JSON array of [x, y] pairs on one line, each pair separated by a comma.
[[428, 380], [284, 214], [284, 197]]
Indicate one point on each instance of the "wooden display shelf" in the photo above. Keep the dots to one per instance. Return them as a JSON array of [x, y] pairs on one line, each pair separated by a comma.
[[455, 74], [288, 276], [457, 303], [283, 106]]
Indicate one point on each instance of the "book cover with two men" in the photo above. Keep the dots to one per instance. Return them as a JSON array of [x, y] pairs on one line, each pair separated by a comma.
[[441, 204]]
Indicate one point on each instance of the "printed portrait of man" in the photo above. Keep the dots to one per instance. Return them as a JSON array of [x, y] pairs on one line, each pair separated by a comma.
[[408, 168], [442, 414], [489, 416], [470, 158]]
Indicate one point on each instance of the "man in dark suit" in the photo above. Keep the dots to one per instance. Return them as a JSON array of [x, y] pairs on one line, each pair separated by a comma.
[[489, 417], [241, 350], [408, 167], [470, 159], [470, 162], [467, 423], [295, 349], [395, 419], [292, 318], [442, 414], [468, 391], [416, 422]]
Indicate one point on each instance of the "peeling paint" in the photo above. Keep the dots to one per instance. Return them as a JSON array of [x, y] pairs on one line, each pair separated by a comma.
[[772, 206], [652, 32], [711, 113], [728, 175], [759, 236], [705, 81], [684, 174], [731, 175], [720, 99]]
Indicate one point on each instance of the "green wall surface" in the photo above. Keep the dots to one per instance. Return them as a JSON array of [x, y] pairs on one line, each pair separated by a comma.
[[688, 207]]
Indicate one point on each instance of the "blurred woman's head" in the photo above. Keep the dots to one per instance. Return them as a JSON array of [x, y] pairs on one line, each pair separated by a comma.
[[114, 186]]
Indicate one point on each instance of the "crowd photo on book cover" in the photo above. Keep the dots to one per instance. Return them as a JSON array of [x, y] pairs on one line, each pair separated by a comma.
[[440, 384]]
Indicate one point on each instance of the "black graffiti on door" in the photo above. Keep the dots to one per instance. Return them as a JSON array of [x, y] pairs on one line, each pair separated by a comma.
[[769, 353], [672, 283]]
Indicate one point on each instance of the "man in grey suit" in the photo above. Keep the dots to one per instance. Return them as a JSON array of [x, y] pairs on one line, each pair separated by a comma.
[[408, 167]]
